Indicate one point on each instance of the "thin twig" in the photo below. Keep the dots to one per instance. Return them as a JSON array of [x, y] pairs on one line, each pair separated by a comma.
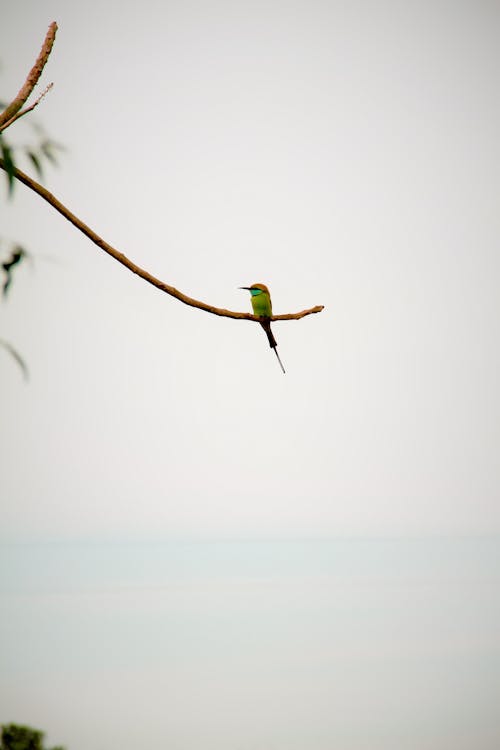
[[28, 109], [36, 71], [121, 258]]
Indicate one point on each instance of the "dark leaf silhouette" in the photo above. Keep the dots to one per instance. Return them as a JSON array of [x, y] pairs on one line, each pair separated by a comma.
[[35, 160], [48, 148], [7, 155], [17, 357], [17, 256]]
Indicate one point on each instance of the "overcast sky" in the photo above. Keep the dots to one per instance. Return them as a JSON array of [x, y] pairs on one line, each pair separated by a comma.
[[343, 154]]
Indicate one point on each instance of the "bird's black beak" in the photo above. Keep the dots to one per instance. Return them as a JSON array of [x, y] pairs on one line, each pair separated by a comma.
[[244, 287]]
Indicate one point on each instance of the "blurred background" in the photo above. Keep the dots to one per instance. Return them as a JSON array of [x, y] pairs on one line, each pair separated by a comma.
[[345, 156]]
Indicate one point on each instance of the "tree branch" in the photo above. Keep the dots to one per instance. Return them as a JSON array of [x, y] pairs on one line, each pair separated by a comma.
[[28, 109], [121, 258], [8, 115]]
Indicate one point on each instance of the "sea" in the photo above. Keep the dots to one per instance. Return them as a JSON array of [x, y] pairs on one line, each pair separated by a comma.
[[253, 644]]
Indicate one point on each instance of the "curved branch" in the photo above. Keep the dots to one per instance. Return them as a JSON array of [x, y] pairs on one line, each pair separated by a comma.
[[8, 115], [121, 258]]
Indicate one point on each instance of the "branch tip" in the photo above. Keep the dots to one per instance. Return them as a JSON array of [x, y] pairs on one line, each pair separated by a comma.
[[10, 112]]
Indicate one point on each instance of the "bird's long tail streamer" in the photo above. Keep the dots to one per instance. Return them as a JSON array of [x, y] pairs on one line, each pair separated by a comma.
[[279, 360], [266, 325]]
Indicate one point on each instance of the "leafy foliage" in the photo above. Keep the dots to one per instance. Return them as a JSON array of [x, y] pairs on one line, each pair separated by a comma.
[[18, 737], [39, 154], [40, 151], [8, 266]]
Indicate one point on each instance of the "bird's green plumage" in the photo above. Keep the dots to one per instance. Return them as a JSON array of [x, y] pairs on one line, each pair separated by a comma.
[[262, 307], [261, 303]]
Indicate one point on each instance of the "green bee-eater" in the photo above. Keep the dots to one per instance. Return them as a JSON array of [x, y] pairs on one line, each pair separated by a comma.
[[262, 306]]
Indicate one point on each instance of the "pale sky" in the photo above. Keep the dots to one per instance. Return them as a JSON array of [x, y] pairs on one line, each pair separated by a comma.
[[345, 155]]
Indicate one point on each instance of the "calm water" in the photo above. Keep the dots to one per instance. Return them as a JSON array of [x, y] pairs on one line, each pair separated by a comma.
[[290, 645]]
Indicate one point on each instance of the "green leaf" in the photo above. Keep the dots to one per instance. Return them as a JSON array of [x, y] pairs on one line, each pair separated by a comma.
[[48, 151], [17, 255], [35, 160], [20, 361], [10, 167]]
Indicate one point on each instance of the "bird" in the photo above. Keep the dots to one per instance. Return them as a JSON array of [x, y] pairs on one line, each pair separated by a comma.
[[262, 307]]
